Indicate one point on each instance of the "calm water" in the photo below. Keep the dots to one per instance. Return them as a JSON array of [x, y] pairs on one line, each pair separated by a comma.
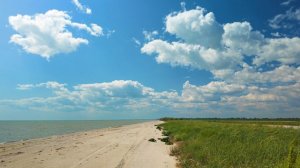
[[22, 130]]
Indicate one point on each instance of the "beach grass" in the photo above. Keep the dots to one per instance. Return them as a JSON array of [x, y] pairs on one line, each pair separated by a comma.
[[239, 144]]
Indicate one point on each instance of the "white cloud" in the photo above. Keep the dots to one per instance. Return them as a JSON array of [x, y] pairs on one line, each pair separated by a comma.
[[213, 91], [88, 11], [82, 7], [118, 88], [217, 98], [116, 97], [110, 33], [58, 88], [136, 41], [277, 34], [286, 3], [182, 4], [47, 34], [276, 96], [201, 45], [259, 97], [284, 20], [191, 55], [196, 27], [239, 36], [254, 74], [206, 44], [222, 73], [49, 85], [25, 86], [94, 29], [150, 35], [107, 96], [278, 76], [285, 50]]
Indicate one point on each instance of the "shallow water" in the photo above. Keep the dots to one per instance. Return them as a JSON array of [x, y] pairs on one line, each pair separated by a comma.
[[22, 130]]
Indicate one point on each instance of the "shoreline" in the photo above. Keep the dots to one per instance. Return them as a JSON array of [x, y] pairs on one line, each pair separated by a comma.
[[12, 140], [65, 134], [122, 146]]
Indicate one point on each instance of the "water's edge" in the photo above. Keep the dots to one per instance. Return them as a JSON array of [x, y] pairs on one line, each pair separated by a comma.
[[15, 131]]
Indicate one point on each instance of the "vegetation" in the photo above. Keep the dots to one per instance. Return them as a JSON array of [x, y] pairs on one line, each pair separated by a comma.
[[263, 122], [152, 140], [166, 140], [233, 143], [260, 121], [158, 127]]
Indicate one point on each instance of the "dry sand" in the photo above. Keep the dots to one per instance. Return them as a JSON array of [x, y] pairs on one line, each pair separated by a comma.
[[122, 147]]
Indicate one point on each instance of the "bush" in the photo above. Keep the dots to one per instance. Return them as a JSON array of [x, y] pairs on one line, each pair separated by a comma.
[[152, 140]]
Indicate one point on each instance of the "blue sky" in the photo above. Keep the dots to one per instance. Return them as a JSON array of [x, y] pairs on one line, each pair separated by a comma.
[[147, 59]]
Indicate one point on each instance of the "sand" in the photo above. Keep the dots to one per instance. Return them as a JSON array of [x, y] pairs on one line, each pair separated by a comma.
[[121, 147]]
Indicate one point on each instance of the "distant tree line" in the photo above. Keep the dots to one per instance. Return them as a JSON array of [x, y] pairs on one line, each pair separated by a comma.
[[230, 119]]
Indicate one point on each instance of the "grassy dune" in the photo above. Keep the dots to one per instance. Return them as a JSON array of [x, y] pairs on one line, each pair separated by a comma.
[[233, 144]]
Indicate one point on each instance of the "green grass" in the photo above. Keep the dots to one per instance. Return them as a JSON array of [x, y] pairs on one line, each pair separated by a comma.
[[217, 144], [289, 123]]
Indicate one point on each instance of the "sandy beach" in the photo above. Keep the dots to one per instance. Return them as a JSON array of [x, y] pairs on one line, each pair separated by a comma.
[[121, 147]]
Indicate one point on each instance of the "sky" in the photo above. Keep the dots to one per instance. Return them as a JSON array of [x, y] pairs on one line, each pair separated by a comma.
[[132, 59]]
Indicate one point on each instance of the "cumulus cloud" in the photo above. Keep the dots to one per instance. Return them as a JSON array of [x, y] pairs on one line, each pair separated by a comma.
[[252, 72], [106, 96], [254, 75], [82, 7], [125, 96], [213, 91], [191, 55], [195, 26], [239, 36], [47, 34], [206, 44], [118, 88], [249, 75], [276, 96], [285, 50]]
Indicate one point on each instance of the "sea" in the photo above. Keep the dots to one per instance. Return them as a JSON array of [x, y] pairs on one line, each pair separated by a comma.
[[11, 131]]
